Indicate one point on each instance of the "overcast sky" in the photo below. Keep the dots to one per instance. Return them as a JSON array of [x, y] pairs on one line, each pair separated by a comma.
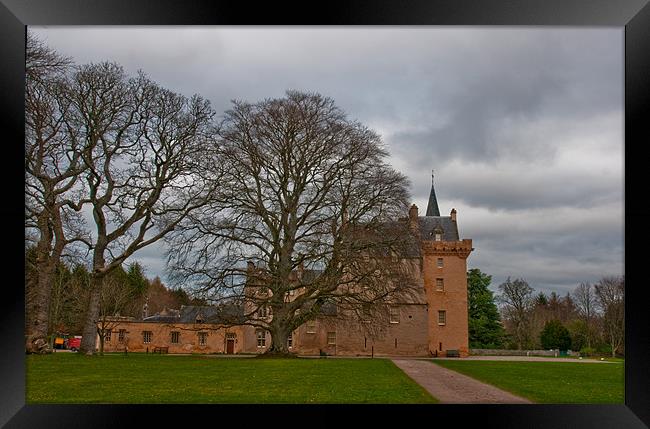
[[523, 126]]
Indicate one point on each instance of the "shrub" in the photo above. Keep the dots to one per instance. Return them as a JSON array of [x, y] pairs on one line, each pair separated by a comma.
[[587, 351]]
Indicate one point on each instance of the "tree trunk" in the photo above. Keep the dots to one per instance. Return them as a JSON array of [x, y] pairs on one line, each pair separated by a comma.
[[101, 341], [38, 307], [88, 340], [279, 337]]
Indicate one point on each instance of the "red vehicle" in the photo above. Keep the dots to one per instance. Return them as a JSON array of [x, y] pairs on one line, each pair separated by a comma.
[[74, 343]]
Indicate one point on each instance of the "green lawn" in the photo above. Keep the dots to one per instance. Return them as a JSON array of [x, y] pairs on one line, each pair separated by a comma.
[[549, 382], [142, 378]]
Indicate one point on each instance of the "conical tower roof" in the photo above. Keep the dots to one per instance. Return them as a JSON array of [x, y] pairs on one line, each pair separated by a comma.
[[432, 207]]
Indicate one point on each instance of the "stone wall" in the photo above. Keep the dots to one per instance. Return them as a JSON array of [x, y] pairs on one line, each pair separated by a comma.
[[161, 336], [498, 352]]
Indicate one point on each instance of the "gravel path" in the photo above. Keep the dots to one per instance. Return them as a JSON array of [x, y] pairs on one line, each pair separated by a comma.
[[450, 387]]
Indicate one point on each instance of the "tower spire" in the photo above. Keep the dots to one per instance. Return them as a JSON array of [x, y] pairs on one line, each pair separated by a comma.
[[432, 207]]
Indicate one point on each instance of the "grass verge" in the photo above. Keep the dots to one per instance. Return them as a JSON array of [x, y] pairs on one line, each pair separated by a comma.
[[139, 378], [549, 382]]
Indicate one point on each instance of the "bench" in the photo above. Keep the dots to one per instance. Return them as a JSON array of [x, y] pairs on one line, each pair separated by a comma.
[[453, 353], [160, 350]]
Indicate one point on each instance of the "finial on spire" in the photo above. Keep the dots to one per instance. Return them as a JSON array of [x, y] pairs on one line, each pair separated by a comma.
[[432, 207]]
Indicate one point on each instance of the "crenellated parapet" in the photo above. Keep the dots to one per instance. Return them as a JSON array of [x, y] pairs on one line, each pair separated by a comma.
[[460, 248]]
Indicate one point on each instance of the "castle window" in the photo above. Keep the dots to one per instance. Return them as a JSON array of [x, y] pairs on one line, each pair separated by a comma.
[[311, 327], [442, 317], [203, 338], [262, 311], [394, 315], [147, 336], [331, 338], [290, 340], [121, 335], [107, 336], [439, 262], [440, 285], [176, 337], [261, 338], [437, 233]]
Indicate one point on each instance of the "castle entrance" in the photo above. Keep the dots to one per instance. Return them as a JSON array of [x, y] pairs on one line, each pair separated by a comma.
[[230, 343]]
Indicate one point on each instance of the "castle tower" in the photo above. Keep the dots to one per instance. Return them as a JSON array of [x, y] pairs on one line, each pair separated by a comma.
[[444, 268]]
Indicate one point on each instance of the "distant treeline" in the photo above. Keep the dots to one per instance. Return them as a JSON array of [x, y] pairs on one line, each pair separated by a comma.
[[125, 293], [590, 319]]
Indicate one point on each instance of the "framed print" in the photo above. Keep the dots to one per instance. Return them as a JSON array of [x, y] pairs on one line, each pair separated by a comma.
[[484, 67]]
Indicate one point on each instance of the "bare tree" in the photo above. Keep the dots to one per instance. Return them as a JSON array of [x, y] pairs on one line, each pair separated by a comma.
[[52, 167], [143, 149], [586, 301], [304, 220], [517, 300], [610, 292], [117, 299]]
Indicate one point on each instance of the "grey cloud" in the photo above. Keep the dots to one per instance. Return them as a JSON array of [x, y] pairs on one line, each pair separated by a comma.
[[517, 122]]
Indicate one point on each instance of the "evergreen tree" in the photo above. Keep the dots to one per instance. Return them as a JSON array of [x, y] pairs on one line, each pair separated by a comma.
[[555, 336], [485, 329], [541, 300]]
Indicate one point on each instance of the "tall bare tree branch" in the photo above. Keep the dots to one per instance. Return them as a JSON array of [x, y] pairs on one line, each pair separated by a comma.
[[304, 219]]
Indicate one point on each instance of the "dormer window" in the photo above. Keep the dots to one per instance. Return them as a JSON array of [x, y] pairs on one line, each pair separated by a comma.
[[199, 319], [437, 233]]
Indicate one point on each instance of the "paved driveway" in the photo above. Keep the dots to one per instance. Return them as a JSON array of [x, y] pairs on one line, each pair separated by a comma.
[[450, 387]]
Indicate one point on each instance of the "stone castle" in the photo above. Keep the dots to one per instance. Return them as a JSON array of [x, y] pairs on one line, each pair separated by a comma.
[[435, 324]]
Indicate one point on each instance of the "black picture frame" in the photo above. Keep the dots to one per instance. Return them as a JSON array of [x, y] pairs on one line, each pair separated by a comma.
[[633, 15]]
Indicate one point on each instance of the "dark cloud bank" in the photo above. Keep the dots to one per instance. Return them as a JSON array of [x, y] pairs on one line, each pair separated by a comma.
[[523, 126]]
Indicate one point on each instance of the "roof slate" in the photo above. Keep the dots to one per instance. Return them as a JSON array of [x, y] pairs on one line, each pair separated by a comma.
[[429, 223]]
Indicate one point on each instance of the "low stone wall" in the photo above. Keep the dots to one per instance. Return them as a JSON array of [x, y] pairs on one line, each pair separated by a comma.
[[499, 352]]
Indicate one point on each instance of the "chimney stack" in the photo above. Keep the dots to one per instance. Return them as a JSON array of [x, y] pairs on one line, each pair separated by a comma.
[[413, 217], [453, 215]]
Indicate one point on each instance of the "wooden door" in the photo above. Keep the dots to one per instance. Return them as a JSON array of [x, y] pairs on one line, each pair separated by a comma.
[[230, 347]]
